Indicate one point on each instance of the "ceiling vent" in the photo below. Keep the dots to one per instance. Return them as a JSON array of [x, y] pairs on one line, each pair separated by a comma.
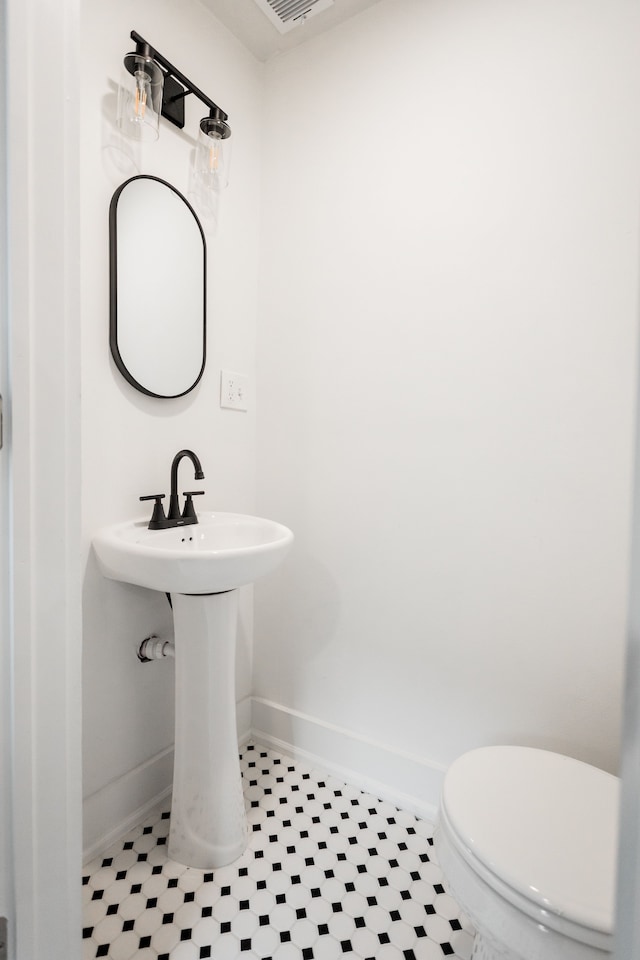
[[287, 14]]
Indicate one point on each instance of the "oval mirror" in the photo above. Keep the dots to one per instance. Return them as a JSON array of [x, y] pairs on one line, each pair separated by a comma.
[[158, 288]]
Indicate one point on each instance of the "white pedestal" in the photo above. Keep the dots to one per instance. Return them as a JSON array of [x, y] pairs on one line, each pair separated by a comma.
[[208, 826]]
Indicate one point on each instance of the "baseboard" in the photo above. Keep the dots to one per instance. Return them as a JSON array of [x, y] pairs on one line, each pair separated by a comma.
[[407, 781], [117, 807], [123, 803]]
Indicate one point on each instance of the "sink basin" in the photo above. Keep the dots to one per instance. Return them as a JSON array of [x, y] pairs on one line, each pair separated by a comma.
[[220, 552]]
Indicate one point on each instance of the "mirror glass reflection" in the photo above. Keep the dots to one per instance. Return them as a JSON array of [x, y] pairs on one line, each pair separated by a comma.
[[158, 288]]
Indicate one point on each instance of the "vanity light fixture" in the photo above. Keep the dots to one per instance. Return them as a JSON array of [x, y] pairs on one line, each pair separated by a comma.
[[151, 87]]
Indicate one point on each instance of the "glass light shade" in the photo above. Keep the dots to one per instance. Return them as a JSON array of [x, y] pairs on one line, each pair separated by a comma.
[[212, 162], [140, 97]]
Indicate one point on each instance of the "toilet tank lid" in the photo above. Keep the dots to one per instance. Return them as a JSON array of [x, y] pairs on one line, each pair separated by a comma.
[[544, 823]]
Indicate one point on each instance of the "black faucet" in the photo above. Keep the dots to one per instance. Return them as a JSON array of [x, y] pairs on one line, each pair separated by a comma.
[[175, 518], [189, 515]]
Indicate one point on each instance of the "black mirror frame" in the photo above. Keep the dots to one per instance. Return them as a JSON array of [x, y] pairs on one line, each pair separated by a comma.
[[113, 290]]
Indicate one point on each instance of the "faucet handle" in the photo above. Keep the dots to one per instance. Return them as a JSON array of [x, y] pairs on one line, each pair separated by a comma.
[[158, 519], [189, 512]]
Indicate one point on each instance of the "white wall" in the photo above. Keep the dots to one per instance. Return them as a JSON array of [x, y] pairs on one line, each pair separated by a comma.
[[128, 439], [445, 358], [446, 374]]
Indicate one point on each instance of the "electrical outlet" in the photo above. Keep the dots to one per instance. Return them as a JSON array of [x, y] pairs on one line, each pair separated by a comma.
[[233, 390]]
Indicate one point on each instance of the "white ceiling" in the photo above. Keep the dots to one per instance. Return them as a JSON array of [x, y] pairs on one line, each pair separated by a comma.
[[252, 27]]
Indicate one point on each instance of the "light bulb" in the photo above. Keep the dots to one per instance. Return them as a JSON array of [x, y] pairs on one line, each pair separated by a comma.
[[215, 154], [140, 103]]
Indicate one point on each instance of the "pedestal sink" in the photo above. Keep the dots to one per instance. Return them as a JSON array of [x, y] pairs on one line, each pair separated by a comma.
[[200, 566]]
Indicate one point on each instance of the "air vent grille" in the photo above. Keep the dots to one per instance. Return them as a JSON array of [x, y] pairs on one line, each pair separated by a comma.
[[287, 14]]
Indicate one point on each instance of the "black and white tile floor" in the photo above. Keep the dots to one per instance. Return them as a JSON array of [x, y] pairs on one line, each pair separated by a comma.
[[330, 872]]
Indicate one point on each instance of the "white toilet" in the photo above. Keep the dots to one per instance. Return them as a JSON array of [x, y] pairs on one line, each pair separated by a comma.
[[527, 841]]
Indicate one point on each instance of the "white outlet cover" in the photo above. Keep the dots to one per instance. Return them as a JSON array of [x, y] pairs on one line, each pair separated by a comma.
[[233, 390]]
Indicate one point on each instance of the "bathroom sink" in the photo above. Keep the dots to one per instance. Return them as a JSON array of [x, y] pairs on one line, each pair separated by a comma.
[[221, 552], [199, 562]]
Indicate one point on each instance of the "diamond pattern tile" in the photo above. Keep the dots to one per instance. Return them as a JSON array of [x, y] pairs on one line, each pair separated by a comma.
[[330, 873]]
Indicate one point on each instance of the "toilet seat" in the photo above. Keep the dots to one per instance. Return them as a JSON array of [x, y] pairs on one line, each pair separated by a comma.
[[541, 830]]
